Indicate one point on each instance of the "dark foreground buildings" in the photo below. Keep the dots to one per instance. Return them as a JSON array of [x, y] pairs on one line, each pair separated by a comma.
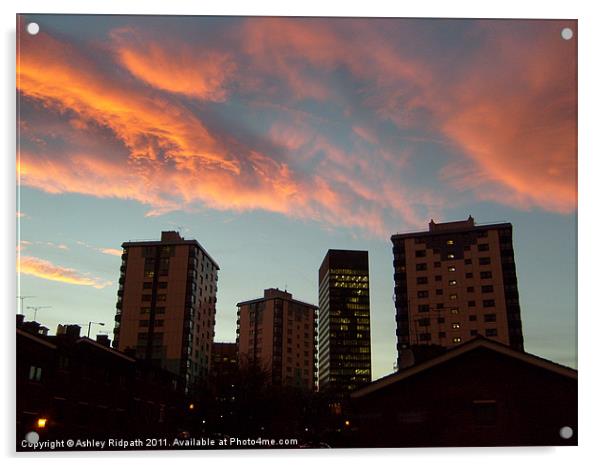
[[277, 334], [480, 393], [74, 387], [166, 305], [344, 321], [453, 282]]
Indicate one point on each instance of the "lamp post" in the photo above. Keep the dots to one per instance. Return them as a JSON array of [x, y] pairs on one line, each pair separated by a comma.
[[90, 326]]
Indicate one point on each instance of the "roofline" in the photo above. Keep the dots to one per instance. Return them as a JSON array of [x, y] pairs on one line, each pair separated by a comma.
[[106, 348], [36, 338], [458, 351], [485, 226], [257, 300], [188, 242]]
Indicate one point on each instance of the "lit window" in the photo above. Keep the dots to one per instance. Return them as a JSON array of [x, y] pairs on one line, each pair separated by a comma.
[[456, 325], [452, 282], [450, 241], [451, 256], [451, 269], [454, 310], [453, 296], [457, 340]]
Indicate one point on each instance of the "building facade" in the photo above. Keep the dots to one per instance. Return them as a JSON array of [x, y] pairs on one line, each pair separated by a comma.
[[479, 393], [277, 334], [453, 282], [344, 321], [166, 305]]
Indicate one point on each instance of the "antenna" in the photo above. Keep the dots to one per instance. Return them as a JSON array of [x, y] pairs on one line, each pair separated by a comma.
[[22, 298], [36, 309]]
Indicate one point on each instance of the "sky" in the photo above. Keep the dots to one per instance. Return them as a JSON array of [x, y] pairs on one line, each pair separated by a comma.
[[271, 140]]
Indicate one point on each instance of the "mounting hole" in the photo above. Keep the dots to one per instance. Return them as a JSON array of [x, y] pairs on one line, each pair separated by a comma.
[[33, 28], [32, 437], [566, 432], [567, 33]]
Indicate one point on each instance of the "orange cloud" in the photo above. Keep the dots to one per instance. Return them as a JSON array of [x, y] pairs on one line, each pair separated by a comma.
[[112, 251], [175, 67], [44, 269]]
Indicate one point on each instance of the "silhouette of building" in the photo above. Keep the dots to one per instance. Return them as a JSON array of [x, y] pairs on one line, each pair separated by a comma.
[[277, 334], [344, 321], [224, 364], [166, 305], [479, 393], [454, 282], [70, 386]]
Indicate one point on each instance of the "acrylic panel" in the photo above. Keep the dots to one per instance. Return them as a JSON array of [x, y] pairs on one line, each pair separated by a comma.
[[287, 232]]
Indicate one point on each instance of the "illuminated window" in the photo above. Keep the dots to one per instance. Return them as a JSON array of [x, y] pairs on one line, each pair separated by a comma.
[[451, 269], [456, 325], [453, 296], [454, 310], [450, 241], [452, 282], [451, 256], [457, 340]]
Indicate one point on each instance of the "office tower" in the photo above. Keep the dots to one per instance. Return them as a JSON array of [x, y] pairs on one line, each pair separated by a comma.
[[344, 321], [453, 282], [166, 304], [277, 335]]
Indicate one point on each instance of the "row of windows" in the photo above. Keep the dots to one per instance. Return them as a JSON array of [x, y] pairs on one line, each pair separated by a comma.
[[490, 332], [424, 266], [426, 321], [469, 289]]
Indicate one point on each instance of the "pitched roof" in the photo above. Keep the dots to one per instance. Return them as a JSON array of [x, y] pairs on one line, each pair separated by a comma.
[[478, 342]]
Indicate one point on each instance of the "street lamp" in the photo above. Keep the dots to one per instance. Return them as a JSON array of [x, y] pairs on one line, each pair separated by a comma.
[[90, 326]]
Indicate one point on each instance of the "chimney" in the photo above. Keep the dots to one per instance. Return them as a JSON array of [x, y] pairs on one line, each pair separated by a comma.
[[103, 340], [20, 320], [69, 331], [171, 236]]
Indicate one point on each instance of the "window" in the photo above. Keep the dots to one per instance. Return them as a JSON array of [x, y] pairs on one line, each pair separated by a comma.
[[470, 289], [472, 303], [437, 264], [483, 247], [440, 320], [484, 261], [454, 310], [468, 261], [35, 373], [451, 268], [469, 275], [449, 241], [453, 296], [147, 285], [423, 308], [472, 317], [491, 332], [484, 412], [146, 297], [490, 317], [456, 325], [489, 303], [425, 337], [421, 266], [145, 310], [438, 278], [422, 280], [439, 292], [439, 305], [164, 285], [451, 256], [161, 297], [487, 289], [423, 294], [421, 253], [144, 323], [424, 322], [441, 334], [457, 340], [452, 283], [486, 274]]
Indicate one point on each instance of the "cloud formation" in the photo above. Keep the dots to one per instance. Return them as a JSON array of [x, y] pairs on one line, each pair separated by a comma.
[[41, 268], [360, 123]]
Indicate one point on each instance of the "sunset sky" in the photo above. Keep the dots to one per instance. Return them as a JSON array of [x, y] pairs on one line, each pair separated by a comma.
[[271, 140]]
